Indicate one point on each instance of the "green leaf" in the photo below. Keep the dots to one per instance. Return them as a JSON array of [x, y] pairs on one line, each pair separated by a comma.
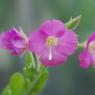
[[73, 23], [17, 84], [7, 91]]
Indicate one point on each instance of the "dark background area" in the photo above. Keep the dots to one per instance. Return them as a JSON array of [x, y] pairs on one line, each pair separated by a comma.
[[67, 79]]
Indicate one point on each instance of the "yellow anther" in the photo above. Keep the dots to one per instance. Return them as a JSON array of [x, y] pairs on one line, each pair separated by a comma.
[[52, 41]]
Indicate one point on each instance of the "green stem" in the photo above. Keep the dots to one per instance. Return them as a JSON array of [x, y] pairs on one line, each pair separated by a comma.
[[33, 84]]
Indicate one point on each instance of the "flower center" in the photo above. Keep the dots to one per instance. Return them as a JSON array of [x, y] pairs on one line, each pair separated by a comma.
[[52, 41], [91, 48]]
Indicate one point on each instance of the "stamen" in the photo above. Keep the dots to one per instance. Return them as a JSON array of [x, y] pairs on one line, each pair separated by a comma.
[[92, 48], [52, 41]]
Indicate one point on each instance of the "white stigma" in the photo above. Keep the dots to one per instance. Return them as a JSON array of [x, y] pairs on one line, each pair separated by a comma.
[[50, 54]]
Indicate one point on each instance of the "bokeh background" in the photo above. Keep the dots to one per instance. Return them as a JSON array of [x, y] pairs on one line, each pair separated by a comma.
[[67, 79]]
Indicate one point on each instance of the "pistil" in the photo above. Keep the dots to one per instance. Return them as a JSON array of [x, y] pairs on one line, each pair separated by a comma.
[[51, 42]]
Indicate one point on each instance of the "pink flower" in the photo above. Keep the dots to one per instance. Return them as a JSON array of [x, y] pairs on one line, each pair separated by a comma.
[[53, 42], [87, 56], [14, 41]]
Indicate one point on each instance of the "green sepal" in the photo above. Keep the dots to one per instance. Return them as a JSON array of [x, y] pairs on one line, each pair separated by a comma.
[[73, 23]]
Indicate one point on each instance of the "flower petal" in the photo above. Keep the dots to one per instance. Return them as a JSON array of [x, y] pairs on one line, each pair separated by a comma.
[[57, 57], [53, 27], [91, 38], [37, 42], [84, 59], [67, 43], [19, 43], [92, 60], [6, 37]]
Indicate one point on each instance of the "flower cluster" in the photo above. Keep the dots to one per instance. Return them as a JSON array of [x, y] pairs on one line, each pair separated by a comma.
[[52, 43]]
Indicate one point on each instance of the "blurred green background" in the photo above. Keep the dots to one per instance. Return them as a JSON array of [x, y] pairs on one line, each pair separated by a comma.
[[67, 79]]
